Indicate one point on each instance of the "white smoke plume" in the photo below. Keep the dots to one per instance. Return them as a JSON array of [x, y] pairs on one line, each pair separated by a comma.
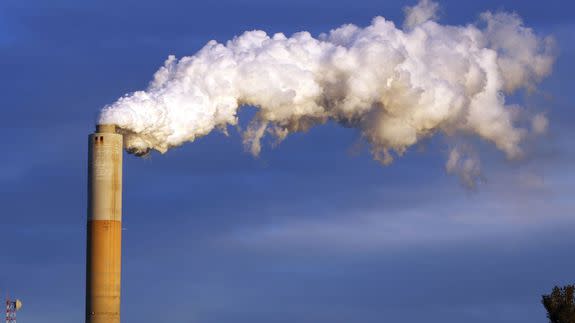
[[464, 162], [396, 85]]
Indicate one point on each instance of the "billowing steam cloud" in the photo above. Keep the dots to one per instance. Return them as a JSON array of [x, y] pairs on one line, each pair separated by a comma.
[[396, 85]]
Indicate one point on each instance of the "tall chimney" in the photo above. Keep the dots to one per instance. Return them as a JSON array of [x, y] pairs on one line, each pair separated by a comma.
[[104, 245]]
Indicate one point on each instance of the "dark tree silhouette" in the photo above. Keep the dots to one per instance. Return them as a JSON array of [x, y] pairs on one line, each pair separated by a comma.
[[560, 304]]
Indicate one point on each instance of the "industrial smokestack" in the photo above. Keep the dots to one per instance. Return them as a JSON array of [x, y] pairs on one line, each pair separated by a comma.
[[104, 245]]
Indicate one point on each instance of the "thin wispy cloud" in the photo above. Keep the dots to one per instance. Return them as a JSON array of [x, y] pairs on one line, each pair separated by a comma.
[[517, 204]]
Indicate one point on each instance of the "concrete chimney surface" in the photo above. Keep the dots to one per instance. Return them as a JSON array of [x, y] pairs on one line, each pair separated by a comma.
[[105, 128], [104, 231]]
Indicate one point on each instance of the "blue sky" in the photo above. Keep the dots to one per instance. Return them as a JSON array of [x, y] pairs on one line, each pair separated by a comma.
[[311, 231]]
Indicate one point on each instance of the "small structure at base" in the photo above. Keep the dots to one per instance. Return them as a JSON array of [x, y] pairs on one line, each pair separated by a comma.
[[12, 306]]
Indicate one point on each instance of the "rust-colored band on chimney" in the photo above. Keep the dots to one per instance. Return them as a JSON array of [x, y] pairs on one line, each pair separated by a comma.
[[104, 235]]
